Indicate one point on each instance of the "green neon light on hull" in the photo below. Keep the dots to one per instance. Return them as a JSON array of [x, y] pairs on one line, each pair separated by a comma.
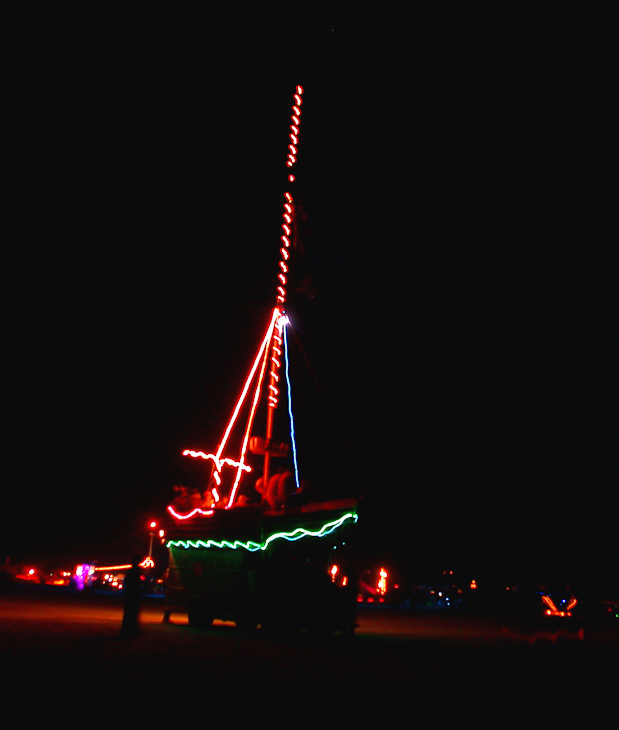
[[253, 547]]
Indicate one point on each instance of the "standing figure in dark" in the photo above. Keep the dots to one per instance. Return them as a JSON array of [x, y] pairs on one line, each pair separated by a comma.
[[133, 598]]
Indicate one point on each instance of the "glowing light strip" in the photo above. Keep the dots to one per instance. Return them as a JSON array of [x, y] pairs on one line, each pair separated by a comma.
[[218, 462], [216, 458], [250, 422], [240, 465], [288, 213], [272, 342], [294, 129], [253, 547], [249, 545], [292, 438], [146, 563], [196, 511], [276, 354], [241, 400]]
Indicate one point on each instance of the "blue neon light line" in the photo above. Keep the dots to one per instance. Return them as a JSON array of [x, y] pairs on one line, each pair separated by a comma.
[[292, 438]]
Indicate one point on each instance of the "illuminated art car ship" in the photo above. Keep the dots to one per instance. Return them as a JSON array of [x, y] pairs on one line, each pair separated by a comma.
[[279, 562]]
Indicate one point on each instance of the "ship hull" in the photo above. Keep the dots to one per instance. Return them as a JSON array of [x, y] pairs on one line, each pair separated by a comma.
[[272, 570]]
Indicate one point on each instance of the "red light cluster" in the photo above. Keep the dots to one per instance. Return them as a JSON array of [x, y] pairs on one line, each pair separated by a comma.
[[552, 610]]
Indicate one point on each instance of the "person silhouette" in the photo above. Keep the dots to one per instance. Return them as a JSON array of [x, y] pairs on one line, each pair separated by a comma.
[[133, 596]]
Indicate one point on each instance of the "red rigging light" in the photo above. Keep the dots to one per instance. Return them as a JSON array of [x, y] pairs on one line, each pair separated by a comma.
[[259, 366], [270, 352]]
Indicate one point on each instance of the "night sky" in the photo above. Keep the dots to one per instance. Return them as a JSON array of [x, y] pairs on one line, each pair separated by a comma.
[[454, 240]]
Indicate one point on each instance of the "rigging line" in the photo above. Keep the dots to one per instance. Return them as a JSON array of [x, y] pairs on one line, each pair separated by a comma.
[[249, 425], [241, 400], [292, 437]]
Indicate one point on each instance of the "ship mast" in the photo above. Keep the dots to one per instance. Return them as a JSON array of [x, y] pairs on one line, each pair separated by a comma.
[[286, 238], [267, 363]]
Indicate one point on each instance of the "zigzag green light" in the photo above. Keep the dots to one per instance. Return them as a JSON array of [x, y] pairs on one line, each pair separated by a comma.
[[253, 547]]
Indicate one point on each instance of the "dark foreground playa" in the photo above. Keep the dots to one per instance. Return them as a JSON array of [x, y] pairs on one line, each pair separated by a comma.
[[62, 656]]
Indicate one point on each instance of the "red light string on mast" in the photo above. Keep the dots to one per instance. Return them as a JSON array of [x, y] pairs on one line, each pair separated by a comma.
[[286, 240], [288, 213], [277, 345]]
